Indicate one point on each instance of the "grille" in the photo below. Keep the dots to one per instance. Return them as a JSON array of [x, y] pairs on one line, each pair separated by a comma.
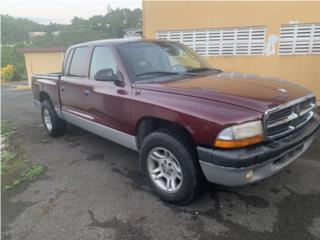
[[284, 119]]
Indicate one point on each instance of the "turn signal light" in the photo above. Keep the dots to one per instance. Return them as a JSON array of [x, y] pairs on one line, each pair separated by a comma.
[[238, 143]]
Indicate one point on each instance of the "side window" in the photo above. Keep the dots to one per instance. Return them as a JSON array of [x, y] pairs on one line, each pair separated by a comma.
[[102, 58], [68, 60], [78, 62]]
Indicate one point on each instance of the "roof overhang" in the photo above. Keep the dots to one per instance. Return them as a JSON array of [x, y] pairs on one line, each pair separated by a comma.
[[42, 50]]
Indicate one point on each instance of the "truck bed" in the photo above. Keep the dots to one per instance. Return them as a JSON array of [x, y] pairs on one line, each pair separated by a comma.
[[47, 83]]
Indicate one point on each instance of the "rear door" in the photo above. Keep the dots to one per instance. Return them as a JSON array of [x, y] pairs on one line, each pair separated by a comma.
[[71, 83]]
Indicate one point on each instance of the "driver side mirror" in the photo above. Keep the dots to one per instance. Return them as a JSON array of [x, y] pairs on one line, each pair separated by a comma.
[[106, 74]]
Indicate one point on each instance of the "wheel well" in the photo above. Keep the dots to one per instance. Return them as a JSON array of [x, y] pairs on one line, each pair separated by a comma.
[[148, 125], [44, 96]]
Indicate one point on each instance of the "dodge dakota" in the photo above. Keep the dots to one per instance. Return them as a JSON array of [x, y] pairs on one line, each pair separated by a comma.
[[188, 120]]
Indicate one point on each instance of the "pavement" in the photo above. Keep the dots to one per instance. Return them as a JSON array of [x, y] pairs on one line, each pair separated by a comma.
[[92, 189]]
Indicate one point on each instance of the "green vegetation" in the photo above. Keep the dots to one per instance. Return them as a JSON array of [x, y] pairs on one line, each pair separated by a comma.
[[7, 156], [15, 34], [7, 73], [6, 131], [15, 30], [14, 169], [10, 56], [32, 171], [27, 174]]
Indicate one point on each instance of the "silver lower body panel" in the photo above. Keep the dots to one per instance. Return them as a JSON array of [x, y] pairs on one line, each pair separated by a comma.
[[229, 176], [102, 131]]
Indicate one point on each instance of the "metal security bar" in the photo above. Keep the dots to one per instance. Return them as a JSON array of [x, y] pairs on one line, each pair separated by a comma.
[[299, 39], [220, 41]]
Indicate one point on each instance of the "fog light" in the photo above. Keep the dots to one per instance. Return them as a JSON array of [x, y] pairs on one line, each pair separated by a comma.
[[249, 175]]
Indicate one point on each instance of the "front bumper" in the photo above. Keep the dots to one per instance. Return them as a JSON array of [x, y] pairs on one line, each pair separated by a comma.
[[248, 165]]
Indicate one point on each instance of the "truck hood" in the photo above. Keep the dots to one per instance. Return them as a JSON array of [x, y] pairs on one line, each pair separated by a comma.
[[245, 90]]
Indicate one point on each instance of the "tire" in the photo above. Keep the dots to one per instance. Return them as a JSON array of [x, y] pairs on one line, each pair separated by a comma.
[[187, 181], [54, 125]]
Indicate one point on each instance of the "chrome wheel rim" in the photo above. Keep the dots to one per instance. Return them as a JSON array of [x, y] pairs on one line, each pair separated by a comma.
[[47, 119], [164, 170]]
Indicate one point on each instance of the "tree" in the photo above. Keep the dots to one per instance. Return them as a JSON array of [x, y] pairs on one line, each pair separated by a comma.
[[15, 33], [10, 56]]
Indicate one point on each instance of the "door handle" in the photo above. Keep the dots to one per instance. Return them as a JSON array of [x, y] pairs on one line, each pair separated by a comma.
[[86, 92]]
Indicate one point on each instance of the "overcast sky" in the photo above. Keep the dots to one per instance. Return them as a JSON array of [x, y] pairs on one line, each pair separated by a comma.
[[62, 11]]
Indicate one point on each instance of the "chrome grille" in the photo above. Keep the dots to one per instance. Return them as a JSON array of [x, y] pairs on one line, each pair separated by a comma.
[[285, 118]]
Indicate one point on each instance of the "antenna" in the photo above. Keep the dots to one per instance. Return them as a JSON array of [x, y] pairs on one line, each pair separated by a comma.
[[125, 21]]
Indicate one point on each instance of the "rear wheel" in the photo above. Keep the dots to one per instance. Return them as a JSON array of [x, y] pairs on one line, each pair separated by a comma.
[[170, 166], [54, 125]]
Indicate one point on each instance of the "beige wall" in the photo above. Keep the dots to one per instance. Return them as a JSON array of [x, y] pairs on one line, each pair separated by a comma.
[[178, 15], [43, 62]]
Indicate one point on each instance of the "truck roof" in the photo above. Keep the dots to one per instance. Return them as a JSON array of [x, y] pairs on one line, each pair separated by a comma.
[[114, 41]]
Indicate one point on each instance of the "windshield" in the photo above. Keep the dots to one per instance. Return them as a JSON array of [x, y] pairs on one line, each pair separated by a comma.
[[161, 59]]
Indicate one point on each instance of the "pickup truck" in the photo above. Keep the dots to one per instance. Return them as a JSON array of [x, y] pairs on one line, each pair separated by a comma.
[[188, 121]]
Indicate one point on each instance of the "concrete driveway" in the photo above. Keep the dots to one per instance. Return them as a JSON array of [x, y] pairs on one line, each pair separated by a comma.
[[92, 189]]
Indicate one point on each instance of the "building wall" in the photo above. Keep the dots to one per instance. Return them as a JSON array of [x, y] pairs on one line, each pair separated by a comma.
[[179, 15], [43, 62]]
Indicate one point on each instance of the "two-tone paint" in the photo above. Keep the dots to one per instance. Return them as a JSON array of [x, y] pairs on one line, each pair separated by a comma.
[[202, 105]]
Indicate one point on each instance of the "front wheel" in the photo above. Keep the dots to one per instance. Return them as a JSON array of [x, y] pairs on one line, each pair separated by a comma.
[[170, 166], [164, 169], [54, 125]]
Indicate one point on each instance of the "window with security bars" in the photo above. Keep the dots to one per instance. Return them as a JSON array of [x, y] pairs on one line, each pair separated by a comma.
[[299, 39], [220, 42]]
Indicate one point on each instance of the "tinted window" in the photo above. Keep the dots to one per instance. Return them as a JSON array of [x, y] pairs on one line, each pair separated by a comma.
[[160, 57], [68, 60], [78, 62], [102, 58]]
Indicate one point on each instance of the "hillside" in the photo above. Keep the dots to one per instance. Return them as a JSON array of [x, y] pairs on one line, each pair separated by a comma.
[[15, 33], [111, 25]]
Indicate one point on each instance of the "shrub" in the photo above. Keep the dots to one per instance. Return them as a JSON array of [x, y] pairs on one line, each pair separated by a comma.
[[10, 56], [7, 73]]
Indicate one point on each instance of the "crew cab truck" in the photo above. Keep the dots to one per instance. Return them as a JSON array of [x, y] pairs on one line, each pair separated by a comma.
[[188, 120]]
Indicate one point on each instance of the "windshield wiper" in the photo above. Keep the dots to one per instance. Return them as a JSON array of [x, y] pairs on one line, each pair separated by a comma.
[[203, 69], [164, 73], [157, 73]]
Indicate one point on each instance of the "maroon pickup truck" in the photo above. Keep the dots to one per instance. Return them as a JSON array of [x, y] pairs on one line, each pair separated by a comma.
[[188, 120]]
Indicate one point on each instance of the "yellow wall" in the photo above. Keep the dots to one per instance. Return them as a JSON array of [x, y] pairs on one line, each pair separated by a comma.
[[178, 15], [43, 62]]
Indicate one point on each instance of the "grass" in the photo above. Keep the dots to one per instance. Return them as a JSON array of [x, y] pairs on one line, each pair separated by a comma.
[[6, 158], [14, 169], [33, 171], [27, 174], [6, 130], [7, 155]]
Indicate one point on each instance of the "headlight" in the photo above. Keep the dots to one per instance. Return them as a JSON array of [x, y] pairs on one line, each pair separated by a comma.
[[240, 135]]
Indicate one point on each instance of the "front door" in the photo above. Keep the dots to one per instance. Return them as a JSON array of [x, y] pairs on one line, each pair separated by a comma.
[[108, 102]]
